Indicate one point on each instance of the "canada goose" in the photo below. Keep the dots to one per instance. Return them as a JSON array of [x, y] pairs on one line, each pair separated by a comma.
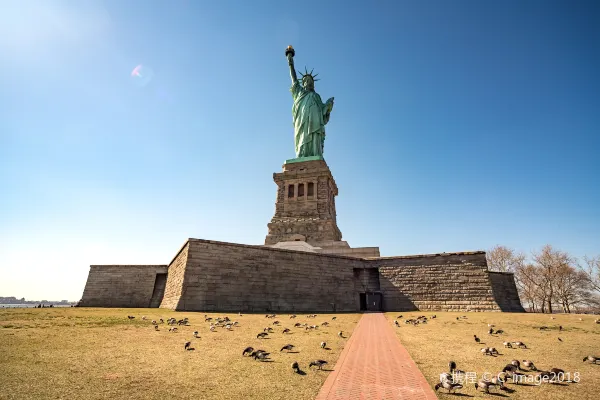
[[509, 368], [155, 327], [517, 377], [451, 366], [260, 355], [286, 330], [325, 323], [276, 322], [292, 316], [591, 359], [333, 318], [446, 376], [317, 363], [173, 329], [496, 380], [477, 340], [153, 322], [543, 328], [396, 323], [507, 345], [448, 385], [499, 332], [296, 367], [516, 363], [297, 324], [493, 351], [557, 373], [162, 321], [491, 331], [130, 317], [484, 385], [520, 344], [544, 375], [187, 345], [323, 344], [262, 335], [529, 364], [247, 350], [486, 351], [287, 347]]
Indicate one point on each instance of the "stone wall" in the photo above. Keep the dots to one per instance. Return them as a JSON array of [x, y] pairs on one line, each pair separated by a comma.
[[445, 282], [175, 279], [233, 277], [120, 285], [505, 291], [215, 276]]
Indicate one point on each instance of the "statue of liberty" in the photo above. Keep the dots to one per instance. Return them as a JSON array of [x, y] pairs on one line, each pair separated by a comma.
[[309, 113]]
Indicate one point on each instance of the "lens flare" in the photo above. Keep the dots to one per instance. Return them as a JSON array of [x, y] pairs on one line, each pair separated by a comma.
[[142, 75]]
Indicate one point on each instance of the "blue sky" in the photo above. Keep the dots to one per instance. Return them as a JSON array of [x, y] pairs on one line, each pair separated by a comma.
[[457, 126]]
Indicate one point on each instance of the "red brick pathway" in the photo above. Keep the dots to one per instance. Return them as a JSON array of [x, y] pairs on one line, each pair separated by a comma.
[[374, 365]]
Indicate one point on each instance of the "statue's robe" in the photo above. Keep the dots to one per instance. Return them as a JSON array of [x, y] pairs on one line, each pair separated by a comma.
[[310, 115]]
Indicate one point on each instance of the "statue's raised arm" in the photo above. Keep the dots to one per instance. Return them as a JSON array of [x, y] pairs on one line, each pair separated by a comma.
[[310, 114], [290, 53]]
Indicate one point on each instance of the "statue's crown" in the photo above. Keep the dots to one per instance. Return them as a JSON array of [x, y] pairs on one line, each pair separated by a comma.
[[307, 74]]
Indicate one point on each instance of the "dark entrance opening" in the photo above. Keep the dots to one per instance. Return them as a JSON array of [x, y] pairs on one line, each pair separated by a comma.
[[371, 301], [363, 302]]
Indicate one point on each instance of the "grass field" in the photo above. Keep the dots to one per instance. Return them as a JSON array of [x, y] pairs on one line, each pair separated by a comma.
[[442, 339], [79, 353]]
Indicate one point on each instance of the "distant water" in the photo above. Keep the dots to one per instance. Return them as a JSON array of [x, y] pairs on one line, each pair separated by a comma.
[[31, 305]]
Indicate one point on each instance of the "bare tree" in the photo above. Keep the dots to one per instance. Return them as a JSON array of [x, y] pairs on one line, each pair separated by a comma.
[[592, 272], [571, 287], [528, 284], [504, 259], [548, 262]]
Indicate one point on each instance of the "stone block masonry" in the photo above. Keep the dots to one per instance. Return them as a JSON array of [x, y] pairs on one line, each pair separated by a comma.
[[444, 282], [216, 276], [231, 277], [505, 291], [120, 285]]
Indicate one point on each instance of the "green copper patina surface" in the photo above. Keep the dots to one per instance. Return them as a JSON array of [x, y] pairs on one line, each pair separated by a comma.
[[310, 114], [302, 159]]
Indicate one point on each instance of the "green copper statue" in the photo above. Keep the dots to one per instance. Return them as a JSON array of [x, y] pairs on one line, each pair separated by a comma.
[[309, 113]]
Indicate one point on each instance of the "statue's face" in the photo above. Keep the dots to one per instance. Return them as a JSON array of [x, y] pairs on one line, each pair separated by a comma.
[[308, 83]]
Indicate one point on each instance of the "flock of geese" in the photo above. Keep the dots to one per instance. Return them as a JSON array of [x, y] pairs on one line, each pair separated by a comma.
[[263, 355], [251, 352], [516, 371]]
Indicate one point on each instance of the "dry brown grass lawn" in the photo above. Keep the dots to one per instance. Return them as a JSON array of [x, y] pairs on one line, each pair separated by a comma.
[[443, 339], [80, 353]]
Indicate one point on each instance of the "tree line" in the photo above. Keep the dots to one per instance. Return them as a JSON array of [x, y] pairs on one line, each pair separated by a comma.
[[550, 280]]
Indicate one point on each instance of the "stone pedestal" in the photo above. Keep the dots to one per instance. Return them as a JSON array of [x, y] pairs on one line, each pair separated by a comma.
[[305, 206]]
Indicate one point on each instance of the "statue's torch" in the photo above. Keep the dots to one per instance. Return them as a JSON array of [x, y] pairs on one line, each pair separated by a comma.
[[290, 52]]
